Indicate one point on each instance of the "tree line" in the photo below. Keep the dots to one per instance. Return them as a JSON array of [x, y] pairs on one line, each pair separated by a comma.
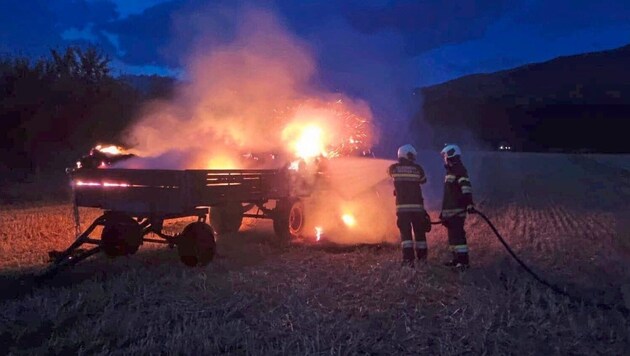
[[57, 107]]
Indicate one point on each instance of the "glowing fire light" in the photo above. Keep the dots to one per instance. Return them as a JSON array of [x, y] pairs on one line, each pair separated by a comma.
[[318, 233], [331, 129], [349, 220], [221, 162], [116, 184], [88, 184], [104, 184], [113, 150], [310, 143], [295, 166]]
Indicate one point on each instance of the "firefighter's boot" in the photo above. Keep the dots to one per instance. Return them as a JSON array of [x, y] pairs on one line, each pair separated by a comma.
[[407, 263], [407, 252], [421, 250], [459, 261], [421, 254], [408, 257]]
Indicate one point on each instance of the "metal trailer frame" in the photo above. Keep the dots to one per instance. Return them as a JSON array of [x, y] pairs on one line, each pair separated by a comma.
[[136, 202]]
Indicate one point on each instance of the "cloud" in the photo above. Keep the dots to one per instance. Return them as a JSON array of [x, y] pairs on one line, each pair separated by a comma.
[[78, 13], [157, 34], [27, 34], [533, 32], [572, 15], [160, 34], [142, 36], [86, 33], [127, 7], [165, 33], [409, 42], [33, 27], [426, 25]]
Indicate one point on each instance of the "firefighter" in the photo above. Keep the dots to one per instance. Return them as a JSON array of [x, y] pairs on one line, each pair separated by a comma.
[[456, 203], [411, 216]]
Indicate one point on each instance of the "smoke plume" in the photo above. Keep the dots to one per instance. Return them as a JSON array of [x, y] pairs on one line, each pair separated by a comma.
[[240, 98]]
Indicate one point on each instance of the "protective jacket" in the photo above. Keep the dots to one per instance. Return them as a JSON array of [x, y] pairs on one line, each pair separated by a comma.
[[407, 177], [457, 190]]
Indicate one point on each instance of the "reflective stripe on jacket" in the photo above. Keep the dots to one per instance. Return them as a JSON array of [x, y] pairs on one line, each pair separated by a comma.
[[408, 177], [457, 190]]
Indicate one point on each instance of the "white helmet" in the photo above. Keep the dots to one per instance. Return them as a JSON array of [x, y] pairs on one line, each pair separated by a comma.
[[407, 151], [450, 151]]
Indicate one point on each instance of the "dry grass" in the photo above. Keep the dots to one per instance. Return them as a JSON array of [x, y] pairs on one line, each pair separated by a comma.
[[259, 299]]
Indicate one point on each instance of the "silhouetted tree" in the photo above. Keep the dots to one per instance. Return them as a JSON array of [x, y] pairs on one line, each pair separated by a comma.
[[53, 109]]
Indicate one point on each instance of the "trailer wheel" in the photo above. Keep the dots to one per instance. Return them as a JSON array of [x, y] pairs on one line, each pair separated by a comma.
[[122, 235], [227, 218], [196, 245], [289, 219]]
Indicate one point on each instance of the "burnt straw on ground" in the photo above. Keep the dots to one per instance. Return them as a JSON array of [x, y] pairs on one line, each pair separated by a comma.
[[560, 214], [259, 299]]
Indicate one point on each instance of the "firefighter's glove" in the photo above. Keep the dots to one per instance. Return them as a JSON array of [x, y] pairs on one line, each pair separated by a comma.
[[470, 209]]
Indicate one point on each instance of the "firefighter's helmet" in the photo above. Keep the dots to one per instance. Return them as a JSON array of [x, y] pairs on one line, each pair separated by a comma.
[[407, 151], [450, 151]]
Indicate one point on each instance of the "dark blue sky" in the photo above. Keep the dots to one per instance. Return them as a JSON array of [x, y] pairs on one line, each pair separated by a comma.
[[417, 42]]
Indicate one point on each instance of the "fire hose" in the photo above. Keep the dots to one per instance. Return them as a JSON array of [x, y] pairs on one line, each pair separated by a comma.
[[539, 279]]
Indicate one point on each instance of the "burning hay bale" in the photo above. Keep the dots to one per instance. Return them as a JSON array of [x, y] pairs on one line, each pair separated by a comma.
[[103, 156]]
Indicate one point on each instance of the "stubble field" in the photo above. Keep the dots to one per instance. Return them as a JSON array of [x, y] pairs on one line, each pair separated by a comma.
[[566, 215]]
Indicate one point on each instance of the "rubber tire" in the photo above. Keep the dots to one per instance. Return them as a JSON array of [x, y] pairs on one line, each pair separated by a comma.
[[288, 221], [227, 218], [121, 235], [196, 245]]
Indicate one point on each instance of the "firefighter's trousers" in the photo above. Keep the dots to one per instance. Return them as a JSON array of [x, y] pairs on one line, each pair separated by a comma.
[[457, 236], [413, 223]]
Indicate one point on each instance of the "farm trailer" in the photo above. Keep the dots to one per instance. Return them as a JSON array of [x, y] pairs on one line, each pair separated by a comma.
[[136, 202]]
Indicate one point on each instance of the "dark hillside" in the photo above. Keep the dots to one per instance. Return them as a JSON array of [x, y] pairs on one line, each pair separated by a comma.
[[570, 103]]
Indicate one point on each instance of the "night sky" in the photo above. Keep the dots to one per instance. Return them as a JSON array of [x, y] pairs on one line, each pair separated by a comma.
[[414, 42]]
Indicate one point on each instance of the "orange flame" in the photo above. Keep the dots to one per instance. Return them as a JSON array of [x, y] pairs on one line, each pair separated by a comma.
[[349, 220], [230, 103], [326, 128], [221, 162], [310, 143], [113, 150], [306, 140], [318, 233], [104, 184]]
